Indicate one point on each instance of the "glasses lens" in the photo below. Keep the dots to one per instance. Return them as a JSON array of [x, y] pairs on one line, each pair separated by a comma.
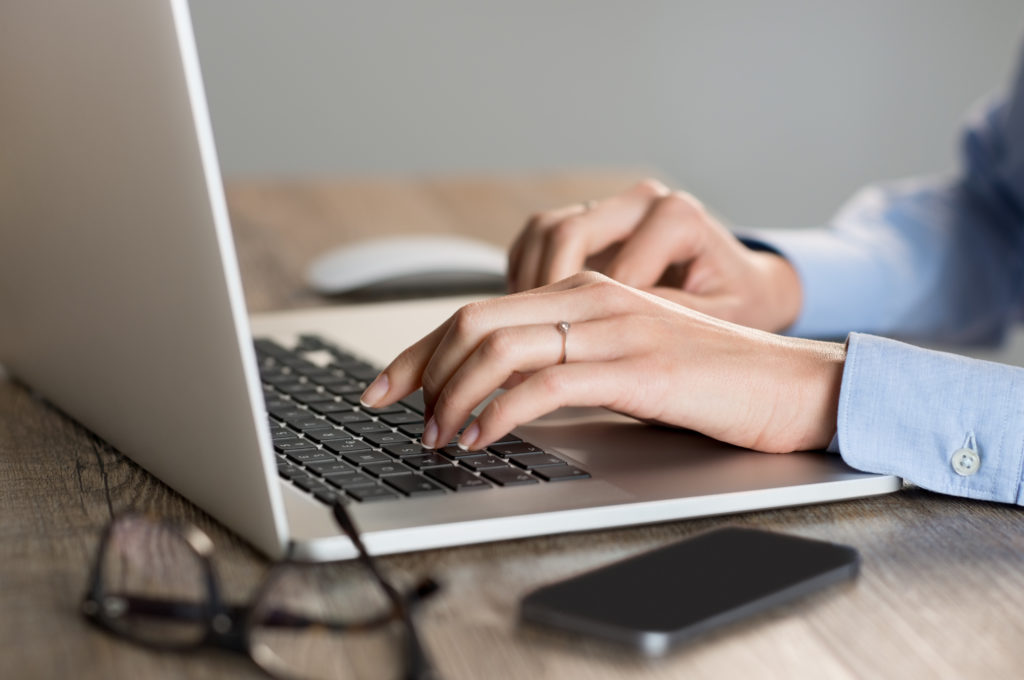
[[153, 584], [326, 621]]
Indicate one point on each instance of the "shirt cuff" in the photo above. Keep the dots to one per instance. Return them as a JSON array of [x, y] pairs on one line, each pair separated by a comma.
[[905, 410], [838, 278]]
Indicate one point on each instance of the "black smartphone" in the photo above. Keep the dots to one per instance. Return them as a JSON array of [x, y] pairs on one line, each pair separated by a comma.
[[662, 598]]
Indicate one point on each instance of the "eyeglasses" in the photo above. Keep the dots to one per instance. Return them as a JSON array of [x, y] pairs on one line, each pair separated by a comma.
[[153, 583]]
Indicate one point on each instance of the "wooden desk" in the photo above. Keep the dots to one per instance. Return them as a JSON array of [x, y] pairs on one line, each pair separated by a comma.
[[941, 593]]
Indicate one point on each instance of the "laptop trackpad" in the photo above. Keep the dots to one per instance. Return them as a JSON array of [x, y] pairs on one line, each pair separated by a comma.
[[661, 462]]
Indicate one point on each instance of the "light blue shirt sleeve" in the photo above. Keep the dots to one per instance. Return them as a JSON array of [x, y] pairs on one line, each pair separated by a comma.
[[907, 411], [938, 259]]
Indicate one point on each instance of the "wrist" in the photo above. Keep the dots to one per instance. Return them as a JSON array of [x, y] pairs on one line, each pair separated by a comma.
[[820, 381], [784, 291]]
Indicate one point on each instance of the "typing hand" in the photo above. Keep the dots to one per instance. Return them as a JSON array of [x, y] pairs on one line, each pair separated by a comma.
[[661, 241], [627, 350]]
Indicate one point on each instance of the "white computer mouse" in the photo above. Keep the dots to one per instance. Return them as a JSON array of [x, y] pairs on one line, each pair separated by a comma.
[[408, 263]]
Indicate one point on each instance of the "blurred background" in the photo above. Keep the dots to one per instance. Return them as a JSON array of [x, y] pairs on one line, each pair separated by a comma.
[[772, 112]]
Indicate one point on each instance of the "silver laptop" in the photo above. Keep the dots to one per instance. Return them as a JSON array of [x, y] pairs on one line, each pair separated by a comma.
[[122, 304]]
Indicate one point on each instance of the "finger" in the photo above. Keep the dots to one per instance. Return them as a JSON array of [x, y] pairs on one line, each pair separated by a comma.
[[570, 242], [471, 324], [527, 251], [520, 350], [573, 384], [675, 231], [404, 375]]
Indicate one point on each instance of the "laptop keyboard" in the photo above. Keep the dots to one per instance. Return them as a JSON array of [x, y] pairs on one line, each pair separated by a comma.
[[330, 446]]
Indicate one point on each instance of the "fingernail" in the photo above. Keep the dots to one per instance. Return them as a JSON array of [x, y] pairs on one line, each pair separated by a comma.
[[429, 438], [469, 437], [376, 391]]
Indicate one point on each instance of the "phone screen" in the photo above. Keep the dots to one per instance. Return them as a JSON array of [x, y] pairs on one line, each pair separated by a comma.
[[661, 598]]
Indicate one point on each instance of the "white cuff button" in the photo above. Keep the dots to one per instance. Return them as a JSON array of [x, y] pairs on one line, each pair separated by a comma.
[[965, 462]]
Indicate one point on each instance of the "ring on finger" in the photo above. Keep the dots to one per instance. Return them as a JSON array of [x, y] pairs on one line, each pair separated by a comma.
[[563, 328]]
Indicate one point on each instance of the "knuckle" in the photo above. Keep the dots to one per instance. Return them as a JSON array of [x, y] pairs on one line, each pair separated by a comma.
[[447, 403], [651, 188], [468, 319], [683, 205], [534, 223], [566, 230], [586, 278], [430, 380], [552, 381], [607, 287], [498, 346]]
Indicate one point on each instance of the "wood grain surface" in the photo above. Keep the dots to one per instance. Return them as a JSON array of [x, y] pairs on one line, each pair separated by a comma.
[[940, 594]]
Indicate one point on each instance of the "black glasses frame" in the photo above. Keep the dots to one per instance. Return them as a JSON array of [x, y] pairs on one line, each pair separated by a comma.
[[229, 626]]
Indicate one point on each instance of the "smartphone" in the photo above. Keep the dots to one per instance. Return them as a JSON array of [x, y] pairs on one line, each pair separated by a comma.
[[657, 600]]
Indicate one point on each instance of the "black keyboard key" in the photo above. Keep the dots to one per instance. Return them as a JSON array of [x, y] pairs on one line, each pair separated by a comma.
[[386, 469], [384, 410], [323, 435], [363, 372], [292, 386], [410, 449], [304, 420], [311, 398], [269, 347], [347, 389], [386, 438], [414, 485], [535, 460], [414, 430], [331, 467], [291, 411], [292, 472], [310, 484], [458, 479], [348, 417], [276, 377], [415, 401], [507, 439], [330, 496], [367, 428], [343, 446], [351, 481], [272, 404], [330, 407], [364, 457], [483, 462], [402, 417], [509, 476], [293, 445], [372, 493], [430, 460], [312, 372], [282, 434], [512, 449], [456, 452], [311, 456], [560, 473], [329, 380]]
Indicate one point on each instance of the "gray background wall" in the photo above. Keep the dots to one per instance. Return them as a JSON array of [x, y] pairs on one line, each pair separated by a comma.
[[772, 111]]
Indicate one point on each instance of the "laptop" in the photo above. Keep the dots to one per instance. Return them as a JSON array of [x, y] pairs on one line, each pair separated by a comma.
[[122, 305]]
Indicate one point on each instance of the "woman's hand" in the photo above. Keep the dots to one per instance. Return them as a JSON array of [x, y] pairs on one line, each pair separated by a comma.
[[626, 350], [664, 242]]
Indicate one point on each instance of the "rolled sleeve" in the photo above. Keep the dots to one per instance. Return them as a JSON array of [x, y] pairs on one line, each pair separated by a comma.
[[904, 411]]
